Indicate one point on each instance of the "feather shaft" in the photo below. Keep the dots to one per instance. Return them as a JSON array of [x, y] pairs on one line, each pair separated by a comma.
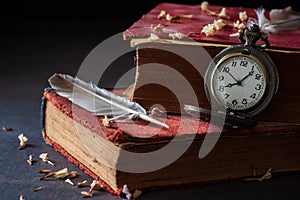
[[80, 93]]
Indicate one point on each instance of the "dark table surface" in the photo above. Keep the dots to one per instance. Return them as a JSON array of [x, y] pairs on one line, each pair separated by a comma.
[[31, 51]]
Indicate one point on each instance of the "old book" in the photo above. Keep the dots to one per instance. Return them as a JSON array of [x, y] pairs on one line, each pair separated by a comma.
[[102, 152], [161, 41]]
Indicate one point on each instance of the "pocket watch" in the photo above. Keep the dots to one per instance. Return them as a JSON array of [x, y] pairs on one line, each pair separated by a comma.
[[242, 78]]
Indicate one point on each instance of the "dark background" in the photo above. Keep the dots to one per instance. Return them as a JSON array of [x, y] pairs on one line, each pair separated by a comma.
[[89, 9], [39, 38]]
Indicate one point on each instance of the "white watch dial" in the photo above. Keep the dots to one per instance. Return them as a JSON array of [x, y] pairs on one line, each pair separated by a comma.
[[239, 82]]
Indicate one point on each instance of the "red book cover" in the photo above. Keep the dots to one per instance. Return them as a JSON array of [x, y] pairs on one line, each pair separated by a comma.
[[285, 40]]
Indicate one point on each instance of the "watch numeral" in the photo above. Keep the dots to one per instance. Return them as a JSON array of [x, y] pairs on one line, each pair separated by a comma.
[[221, 88], [221, 78], [257, 76], [258, 87], [226, 96], [233, 64], [253, 96], [245, 102], [244, 63], [226, 69], [234, 102]]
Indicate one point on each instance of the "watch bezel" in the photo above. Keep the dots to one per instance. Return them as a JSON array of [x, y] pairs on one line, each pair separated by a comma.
[[269, 70]]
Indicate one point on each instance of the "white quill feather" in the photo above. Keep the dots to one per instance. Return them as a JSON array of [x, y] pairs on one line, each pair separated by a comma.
[[97, 100], [280, 20]]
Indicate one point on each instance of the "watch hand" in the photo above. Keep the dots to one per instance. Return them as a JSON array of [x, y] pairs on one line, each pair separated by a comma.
[[231, 84], [232, 77], [249, 74]]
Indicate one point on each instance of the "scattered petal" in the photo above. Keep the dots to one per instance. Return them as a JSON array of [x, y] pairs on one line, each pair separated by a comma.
[[243, 16], [223, 13], [204, 7], [126, 192], [153, 37], [73, 174], [219, 24], [61, 173], [106, 121], [136, 194], [95, 185], [162, 14], [172, 18], [86, 194], [44, 171], [44, 157], [7, 128], [69, 181], [82, 183], [176, 35], [209, 30], [30, 160], [156, 28], [186, 16], [237, 34], [266, 176], [37, 189], [23, 141]]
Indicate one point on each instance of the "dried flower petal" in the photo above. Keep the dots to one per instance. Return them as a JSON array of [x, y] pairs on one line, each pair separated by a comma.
[[44, 157], [241, 26], [73, 174], [243, 16], [208, 30], [47, 176], [237, 34], [153, 37], [86, 194], [136, 194], [162, 14], [126, 192], [106, 121], [61, 173], [186, 16], [7, 128], [156, 28], [95, 185], [238, 24], [171, 18], [37, 189], [219, 24], [204, 7], [69, 181], [23, 141], [44, 171], [266, 176], [176, 35], [223, 13], [30, 160], [82, 183]]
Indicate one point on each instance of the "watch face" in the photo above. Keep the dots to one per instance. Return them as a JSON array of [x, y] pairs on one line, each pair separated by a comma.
[[239, 81]]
